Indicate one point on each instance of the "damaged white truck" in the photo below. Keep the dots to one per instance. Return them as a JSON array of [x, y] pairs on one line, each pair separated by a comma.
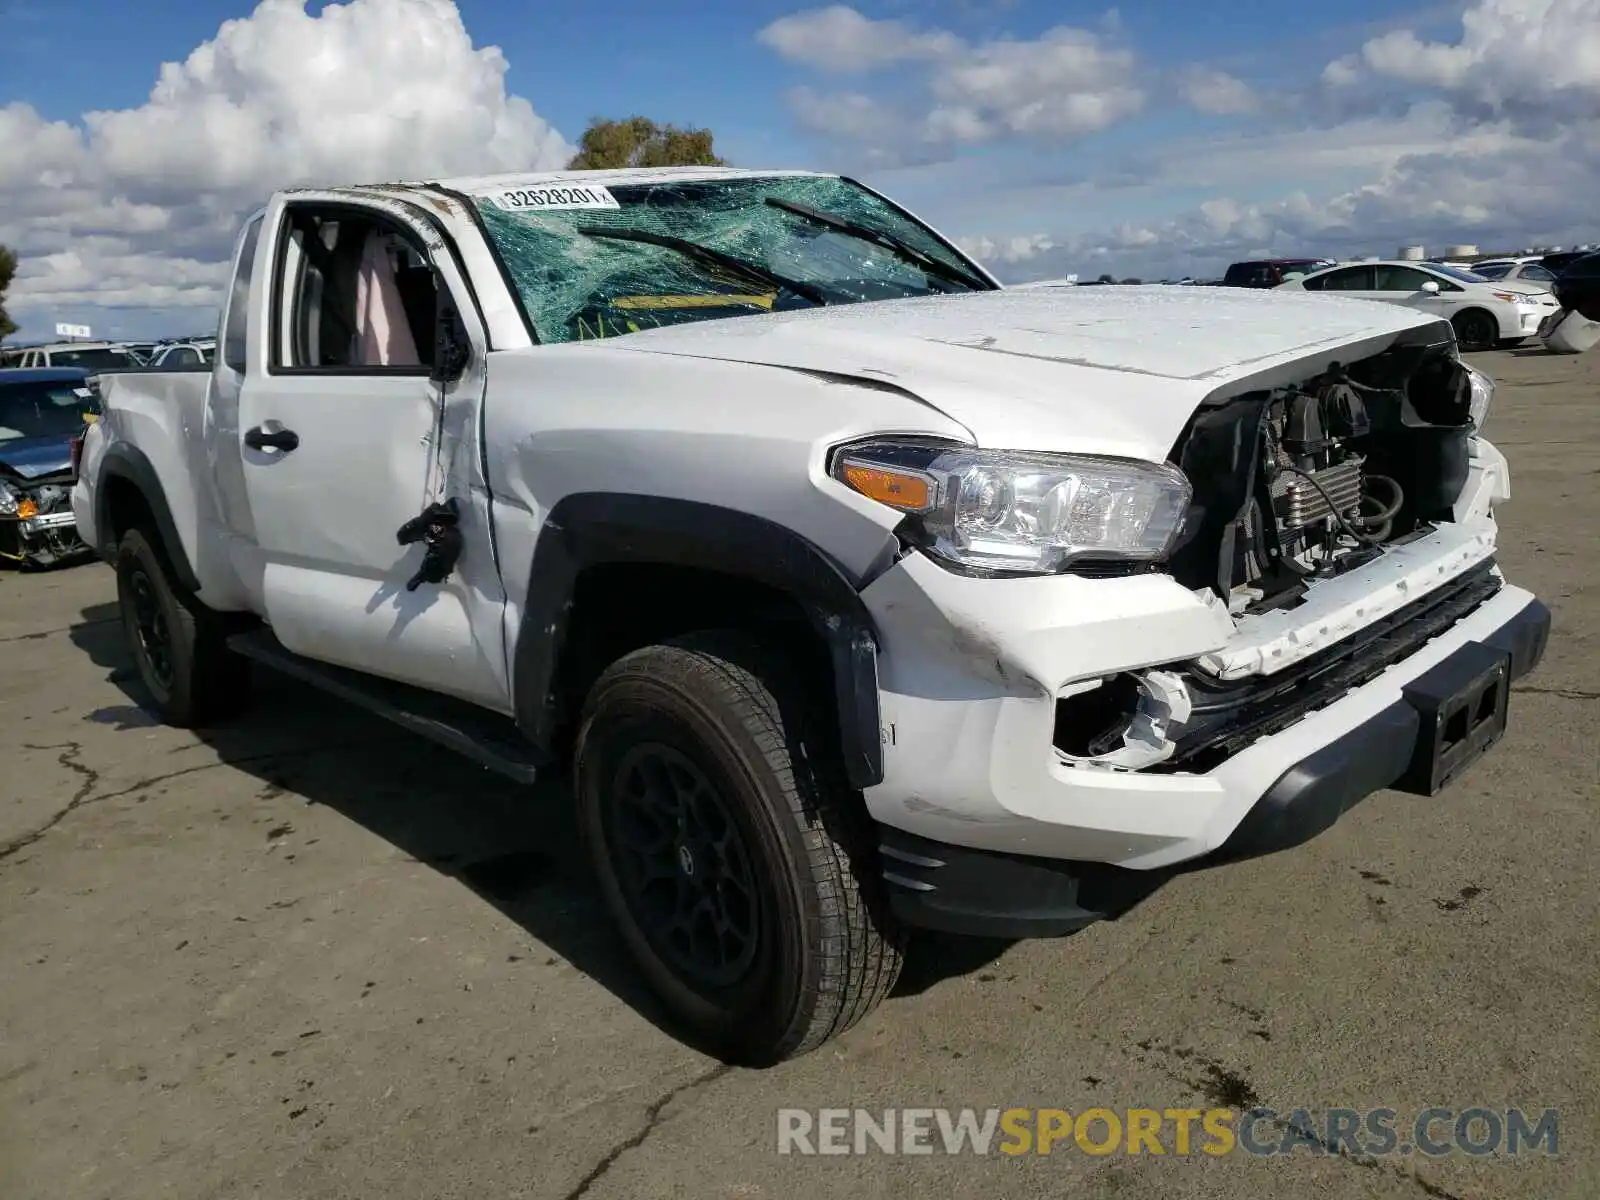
[[858, 593]]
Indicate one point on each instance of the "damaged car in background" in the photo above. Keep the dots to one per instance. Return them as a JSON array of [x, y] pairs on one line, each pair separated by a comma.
[[856, 592], [43, 413]]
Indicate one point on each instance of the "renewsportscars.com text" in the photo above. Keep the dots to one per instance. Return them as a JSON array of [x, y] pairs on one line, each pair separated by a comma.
[[1262, 1132]]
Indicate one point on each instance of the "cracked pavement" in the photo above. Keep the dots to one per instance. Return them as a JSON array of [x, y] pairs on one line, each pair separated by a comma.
[[305, 955]]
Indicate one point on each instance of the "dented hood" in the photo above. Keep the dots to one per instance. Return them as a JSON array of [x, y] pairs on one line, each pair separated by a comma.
[[35, 457], [1104, 370]]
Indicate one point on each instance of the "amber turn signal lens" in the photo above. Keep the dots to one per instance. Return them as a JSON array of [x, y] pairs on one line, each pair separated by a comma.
[[894, 488], [26, 509]]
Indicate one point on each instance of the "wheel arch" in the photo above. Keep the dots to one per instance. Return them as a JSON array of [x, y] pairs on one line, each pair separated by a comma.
[[695, 566], [129, 493]]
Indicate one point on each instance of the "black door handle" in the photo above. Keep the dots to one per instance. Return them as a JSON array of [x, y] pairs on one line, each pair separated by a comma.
[[278, 439]]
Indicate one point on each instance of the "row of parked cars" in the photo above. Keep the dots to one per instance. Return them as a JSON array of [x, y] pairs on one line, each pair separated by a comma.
[[1491, 303], [113, 356]]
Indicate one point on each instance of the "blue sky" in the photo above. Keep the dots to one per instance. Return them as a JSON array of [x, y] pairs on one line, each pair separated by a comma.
[[698, 62], [1093, 153]]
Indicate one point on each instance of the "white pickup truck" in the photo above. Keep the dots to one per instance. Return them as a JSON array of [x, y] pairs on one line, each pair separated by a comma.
[[859, 593]]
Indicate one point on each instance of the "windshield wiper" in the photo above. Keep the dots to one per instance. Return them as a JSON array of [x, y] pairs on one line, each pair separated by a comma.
[[729, 262], [882, 237]]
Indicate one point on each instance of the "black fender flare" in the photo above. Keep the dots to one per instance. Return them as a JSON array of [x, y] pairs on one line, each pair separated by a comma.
[[591, 528], [129, 463]]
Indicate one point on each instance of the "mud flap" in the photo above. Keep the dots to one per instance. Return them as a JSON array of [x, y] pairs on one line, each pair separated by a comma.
[[1461, 704]]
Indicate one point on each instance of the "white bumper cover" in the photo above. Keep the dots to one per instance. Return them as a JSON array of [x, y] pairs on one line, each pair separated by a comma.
[[970, 671]]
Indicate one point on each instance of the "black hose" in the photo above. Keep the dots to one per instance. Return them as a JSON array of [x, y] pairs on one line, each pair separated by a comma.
[[1383, 515]]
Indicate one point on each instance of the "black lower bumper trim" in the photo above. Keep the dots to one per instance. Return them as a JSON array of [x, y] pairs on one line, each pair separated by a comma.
[[986, 893], [949, 888]]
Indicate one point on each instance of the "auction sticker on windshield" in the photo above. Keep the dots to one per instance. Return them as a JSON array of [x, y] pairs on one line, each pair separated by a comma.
[[555, 195]]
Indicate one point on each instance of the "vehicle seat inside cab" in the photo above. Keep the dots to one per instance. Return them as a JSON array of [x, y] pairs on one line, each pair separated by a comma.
[[366, 296]]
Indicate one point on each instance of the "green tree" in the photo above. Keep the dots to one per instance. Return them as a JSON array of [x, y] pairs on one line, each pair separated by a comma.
[[640, 142], [8, 268]]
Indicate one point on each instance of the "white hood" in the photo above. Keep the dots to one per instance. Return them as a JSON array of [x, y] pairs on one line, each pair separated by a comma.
[[1101, 370]]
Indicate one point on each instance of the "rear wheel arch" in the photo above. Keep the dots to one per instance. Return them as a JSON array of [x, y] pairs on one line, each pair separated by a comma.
[[129, 496], [613, 572]]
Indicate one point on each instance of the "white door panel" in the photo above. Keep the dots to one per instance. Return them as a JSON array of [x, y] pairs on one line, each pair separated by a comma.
[[327, 504]]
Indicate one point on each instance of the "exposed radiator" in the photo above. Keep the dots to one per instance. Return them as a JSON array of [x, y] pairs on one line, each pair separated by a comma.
[[1298, 504]]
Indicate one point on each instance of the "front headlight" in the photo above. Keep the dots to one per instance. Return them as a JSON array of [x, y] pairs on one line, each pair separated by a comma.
[[1482, 396], [8, 501], [1021, 512]]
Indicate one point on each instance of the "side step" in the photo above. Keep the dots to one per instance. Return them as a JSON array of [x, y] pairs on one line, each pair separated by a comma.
[[479, 734]]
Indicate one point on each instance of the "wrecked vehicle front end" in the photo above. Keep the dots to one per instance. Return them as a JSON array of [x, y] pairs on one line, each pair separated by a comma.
[[1326, 621], [37, 526], [43, 414]]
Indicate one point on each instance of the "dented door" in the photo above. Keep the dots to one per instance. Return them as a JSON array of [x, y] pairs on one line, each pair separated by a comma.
[[344, 438]]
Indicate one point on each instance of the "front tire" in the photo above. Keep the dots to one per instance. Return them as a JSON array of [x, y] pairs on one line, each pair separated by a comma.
[[1476, 330], [737, 862], [192, 677]]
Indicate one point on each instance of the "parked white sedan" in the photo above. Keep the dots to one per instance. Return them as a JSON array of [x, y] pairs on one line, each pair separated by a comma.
[[1484, 312], [1529, 272]]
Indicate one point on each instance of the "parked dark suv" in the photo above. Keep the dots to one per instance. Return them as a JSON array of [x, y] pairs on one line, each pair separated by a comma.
[[1577, 285], [1562, 259], [1270, 272]]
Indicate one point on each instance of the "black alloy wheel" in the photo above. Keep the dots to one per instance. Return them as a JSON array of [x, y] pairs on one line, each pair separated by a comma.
[[684, 866]]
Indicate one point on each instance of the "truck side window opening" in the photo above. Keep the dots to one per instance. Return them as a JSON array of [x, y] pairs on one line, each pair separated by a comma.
[[362, 295]]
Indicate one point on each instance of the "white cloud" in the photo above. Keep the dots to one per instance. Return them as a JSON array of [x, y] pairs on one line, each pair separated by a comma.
[[1063, 84], [845, 114], [1493, 138], [1020, 248], [1512, 54], [138, 206], [1530, 192], [840, 39], [1363, 146], [1217, 92]]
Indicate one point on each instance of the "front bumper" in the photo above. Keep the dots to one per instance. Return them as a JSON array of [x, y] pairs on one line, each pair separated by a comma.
[[958, 889], [1522, 320], [47, 536]]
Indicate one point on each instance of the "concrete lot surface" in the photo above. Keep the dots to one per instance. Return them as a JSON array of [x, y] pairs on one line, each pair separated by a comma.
[[306, 956]]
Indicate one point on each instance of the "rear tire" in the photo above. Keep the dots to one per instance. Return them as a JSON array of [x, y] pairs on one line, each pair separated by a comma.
[[192, 677], [1476, 329], [738, 864]]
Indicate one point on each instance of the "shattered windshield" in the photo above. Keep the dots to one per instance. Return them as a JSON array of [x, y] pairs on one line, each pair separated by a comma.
[[594, 262]]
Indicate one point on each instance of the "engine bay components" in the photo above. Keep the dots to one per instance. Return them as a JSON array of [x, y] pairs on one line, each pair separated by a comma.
[[1311, 478], [37, 525]]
